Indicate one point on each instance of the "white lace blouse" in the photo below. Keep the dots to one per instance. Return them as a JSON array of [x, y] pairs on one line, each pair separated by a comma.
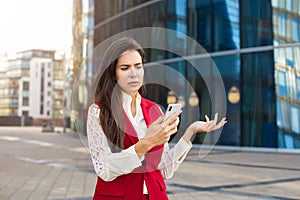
[[109, 166]]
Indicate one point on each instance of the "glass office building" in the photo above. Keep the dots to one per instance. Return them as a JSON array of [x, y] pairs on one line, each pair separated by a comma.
[[286, 31], [254, 44]]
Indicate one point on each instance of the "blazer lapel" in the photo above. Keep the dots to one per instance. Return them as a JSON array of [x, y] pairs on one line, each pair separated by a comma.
[[150, 111], [130, 133]]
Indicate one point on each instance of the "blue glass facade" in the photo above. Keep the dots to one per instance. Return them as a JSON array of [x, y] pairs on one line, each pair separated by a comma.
[[249, 43], [286, 27], [257, 75]]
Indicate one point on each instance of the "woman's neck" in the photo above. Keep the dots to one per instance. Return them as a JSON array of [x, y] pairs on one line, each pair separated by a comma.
[[133, 104]]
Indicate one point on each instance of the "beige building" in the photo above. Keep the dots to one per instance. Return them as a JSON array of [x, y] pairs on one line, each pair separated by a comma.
[[32, 87]]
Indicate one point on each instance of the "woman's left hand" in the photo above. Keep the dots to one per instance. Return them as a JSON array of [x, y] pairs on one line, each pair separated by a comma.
[[208, 126]]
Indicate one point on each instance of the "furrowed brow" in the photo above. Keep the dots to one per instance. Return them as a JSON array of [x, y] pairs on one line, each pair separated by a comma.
[[128, 65]]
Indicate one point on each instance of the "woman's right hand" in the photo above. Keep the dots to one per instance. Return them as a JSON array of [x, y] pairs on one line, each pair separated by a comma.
[[159, 132]]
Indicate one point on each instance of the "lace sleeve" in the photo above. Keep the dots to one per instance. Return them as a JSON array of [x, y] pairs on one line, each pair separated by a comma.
[[107, 165], [172, 159]]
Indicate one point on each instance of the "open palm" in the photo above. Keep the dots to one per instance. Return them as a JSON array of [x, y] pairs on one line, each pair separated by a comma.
[[208, 126]]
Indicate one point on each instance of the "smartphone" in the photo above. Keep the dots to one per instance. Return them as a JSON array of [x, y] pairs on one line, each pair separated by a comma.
[[172, 108]]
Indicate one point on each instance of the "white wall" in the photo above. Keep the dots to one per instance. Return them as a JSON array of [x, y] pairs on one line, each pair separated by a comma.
[[35, 87]]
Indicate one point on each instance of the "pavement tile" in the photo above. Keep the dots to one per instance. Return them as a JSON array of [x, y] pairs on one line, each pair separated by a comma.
[[52, 166]]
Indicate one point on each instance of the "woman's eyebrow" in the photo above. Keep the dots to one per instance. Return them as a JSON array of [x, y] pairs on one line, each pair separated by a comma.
[[127, 65]]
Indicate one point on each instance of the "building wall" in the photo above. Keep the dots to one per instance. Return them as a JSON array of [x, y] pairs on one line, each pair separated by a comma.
[[255, 46], [40, 93]]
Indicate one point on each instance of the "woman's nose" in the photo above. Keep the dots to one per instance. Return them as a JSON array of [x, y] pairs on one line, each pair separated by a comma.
[[133, 71]]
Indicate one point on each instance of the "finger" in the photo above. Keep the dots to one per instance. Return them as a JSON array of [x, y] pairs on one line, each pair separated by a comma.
[[216, 118], [220, 124], [207, 119], [213, 123], [173, 131], [165, 140], [223, 122], [177, 121], [170, 127], [173, 127], [173, 117], [159, 120], [166, 129]]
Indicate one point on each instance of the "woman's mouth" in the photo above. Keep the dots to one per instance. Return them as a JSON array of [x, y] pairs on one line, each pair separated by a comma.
[[134, 83]]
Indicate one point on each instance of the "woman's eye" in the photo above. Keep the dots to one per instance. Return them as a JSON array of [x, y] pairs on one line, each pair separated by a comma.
[[124, 68]]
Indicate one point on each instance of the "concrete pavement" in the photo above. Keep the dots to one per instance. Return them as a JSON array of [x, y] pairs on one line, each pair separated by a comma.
[[56, 166]]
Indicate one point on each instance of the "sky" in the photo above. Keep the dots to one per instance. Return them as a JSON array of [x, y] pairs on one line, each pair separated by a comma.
[[35, 24]]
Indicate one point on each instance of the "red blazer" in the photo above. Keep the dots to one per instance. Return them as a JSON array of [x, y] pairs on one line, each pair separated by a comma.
[[130, 186]]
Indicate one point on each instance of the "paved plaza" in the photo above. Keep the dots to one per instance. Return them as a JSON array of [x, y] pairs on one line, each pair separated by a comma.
[[38, 165]]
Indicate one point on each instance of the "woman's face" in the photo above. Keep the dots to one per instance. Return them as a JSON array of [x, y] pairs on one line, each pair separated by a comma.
[[130, 72]]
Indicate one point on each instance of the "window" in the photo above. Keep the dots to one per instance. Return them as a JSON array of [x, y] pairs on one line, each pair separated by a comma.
[[295, 30], [25, 101], [289, 56], [280, 139], [281, 80], [279, 118], [295, 126], [42, 109], [295, 5], [298, 87], [289, 27], [281, 24], [25, 93], [281, 4], [26, 85], [274, 3], [297, 59], [289, 141], [285, 115], [25, 113], [289, 5]]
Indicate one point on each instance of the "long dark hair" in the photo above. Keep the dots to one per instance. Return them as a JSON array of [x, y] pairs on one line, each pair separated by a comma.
[[108, 93]]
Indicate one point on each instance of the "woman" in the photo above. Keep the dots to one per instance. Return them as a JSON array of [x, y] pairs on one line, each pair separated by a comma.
[[127, 136]]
